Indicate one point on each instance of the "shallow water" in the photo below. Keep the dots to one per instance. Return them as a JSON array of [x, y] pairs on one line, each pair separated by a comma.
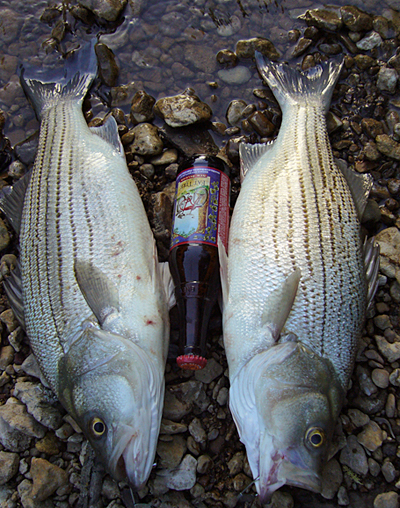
[[163, 47]]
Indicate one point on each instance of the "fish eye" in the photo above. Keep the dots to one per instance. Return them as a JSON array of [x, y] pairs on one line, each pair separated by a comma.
[[97, 427], [315, 437]]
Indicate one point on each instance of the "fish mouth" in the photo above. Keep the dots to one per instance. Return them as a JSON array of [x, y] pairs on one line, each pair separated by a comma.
[[132, 459], [280, 470]]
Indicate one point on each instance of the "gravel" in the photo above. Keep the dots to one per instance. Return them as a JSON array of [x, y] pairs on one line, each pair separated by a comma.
[[167, 72]]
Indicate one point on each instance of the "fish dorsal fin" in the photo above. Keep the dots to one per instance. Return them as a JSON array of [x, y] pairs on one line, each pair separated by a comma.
[[371, 261], [109, 132], [359, 184], [223, 270], [12, 201], [250, 154], [13, 289], [100, 293], [279, 304]]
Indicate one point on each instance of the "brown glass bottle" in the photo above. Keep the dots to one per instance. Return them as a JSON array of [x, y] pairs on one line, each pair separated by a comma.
[[201, 215]]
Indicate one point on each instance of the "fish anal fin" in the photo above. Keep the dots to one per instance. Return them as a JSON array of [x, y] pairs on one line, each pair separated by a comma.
[[359, 184], [250, 155], [223, 271], [279, 304], [100, 293]]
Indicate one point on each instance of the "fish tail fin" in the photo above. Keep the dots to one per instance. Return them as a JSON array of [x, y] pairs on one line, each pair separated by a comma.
[[72, 82], [295, 87]]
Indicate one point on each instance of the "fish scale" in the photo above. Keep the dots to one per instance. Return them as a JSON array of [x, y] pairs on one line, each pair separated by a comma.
[[295, 286]]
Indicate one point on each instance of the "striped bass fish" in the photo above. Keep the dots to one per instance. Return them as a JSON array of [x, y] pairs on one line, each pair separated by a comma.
[[296, 285], [94, 301]]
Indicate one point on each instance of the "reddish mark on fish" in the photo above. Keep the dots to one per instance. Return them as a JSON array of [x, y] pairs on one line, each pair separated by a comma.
[[118, 248], [138, 277], [150, 322]]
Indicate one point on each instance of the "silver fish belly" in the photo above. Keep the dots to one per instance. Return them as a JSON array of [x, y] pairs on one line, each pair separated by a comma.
[[94, 303], [295, 286]]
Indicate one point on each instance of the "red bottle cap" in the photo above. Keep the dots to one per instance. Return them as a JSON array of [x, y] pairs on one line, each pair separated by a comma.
[[191, 362]]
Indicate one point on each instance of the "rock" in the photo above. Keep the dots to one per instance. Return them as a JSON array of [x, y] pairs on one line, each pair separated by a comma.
[[183, 109], [109, 10], [382, 322], [180, 399], [391, 351], [387, 500], [110, 488], [380, 377], [235, 110], [142, 107], [31, 367], [197, 432], [394, 377], [9, 463], [17, 427], [387, 79], [364, 62], [11, 24], [223, 396], [374, 467], [371, 437], [203, 59], [49, 444], [389, 243], [8, 318], [204, 464], [371, 41], [39, 402], [358, 418], [389, 471], [47, 478], [353, 456], [108, 68], [4, 235], [332, 478], [190, 140], [247, 48], [322, 18], [343, 498], [172, 24], [227, 57], [356, 20], [230, 28], [27, 500], [168, 156], [235, 465], [261, 124], [184, 476], [210, 372], [302, 45], [371, 127], [171, 452], [6, 357], [147, 141], [236, 76]]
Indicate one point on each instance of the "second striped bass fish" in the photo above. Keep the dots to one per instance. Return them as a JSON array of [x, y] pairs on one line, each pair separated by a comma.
[[295, 287], [93, 297]]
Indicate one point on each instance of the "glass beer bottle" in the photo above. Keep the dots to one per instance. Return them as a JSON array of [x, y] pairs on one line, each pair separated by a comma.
[[201, 215]]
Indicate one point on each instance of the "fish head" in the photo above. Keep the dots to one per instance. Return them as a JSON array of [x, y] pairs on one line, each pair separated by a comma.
[[113, 390], [293, 401]]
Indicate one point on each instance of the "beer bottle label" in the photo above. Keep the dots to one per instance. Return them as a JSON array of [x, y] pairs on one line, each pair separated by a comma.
[[201, 208]]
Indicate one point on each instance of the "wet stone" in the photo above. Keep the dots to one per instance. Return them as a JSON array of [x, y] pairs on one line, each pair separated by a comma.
[[353, 456], [302, 45], [197, 432], [389, 243], [342, 496], [374, 467], [204, 464], [9, 463], [142, 107], [235, 110], [6, 357], [110, 489], [106, 9], [382, 322], [227, 58], [210, 372], [108, 68], [371, 127], [371, 41], [169, 156], [184, 476], [356, 20], [371, 437], [4, 236], [236, 76], [146, 141], [261, 124], [171, 452], [364, 62], [183, 109], [324, 19], [394, 377], [235, 464], [358, 418], [47, 478], [391, 351], [247, 48], [366, 385], [387, 500]]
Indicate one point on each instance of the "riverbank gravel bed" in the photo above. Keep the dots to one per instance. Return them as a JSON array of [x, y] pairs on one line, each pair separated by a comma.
[[182, 82]]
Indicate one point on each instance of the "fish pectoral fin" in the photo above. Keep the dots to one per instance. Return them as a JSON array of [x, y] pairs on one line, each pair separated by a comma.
[[250, 154], [109, 132], [360, 186], [100, 293], [13, 289], [168, 283], [223, 271], [279, 304], [371, 262], [12, 201]]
